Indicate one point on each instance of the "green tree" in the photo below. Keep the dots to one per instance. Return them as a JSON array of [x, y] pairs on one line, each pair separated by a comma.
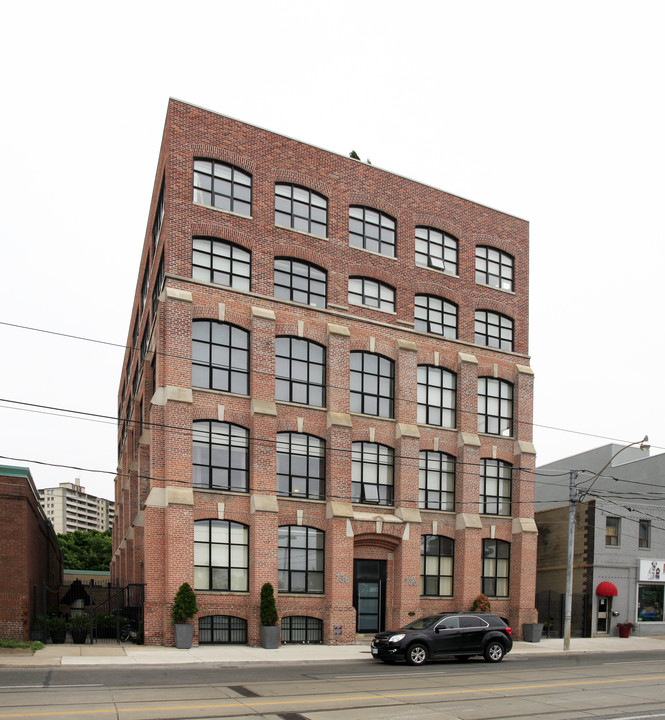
[[86, 549]]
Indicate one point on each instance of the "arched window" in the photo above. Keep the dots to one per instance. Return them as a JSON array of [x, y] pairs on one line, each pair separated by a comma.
[[436, 249], [221, 262], [493, 330], [300, 559], [301, 209], [301, 629], [433, 314], [222, 630], [494, 268], [371, 229], [221, 555], [300, 282], [222, 186], [220, 357], [220, 455], [371, 293], [437, 559]]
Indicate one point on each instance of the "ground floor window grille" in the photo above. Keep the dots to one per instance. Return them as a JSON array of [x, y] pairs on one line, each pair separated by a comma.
[[222, 629], [296, 629]]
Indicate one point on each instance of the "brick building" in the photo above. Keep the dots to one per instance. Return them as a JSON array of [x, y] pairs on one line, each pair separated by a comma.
[[327, 387], [29, 553]]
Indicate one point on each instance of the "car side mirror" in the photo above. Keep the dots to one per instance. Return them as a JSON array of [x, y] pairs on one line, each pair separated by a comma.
[[436, 629]]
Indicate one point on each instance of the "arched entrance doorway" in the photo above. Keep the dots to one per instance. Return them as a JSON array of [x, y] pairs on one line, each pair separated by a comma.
[[372, 574]]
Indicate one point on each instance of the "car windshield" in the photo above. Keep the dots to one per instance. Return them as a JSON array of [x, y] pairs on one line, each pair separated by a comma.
[[423, 623]]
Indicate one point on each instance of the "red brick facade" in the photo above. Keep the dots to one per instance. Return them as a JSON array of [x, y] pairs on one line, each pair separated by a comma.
[[29, 553], [156, 503]]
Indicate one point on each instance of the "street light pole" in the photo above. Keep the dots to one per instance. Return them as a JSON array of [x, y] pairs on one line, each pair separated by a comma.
[[573, 500]]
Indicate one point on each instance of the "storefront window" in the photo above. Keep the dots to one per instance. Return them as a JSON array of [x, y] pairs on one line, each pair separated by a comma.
[[650, 603]]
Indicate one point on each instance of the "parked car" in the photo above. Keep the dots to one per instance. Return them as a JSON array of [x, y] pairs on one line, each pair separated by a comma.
[[460, 634]]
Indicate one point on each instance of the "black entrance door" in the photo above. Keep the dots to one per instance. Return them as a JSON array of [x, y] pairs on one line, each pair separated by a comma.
[[369, 596]]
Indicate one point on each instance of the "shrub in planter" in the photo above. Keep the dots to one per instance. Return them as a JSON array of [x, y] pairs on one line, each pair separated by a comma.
[[183, 610], [57, 628], [79, 625], [269, 628]]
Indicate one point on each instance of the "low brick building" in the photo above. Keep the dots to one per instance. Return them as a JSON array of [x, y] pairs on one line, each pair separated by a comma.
[[29, 553], [327, 387]]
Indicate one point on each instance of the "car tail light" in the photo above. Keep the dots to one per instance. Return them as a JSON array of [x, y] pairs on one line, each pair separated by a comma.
[[509, 631]]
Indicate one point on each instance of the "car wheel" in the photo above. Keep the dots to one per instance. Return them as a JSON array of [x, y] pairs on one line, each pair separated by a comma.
[[416, 655], [494, 652]]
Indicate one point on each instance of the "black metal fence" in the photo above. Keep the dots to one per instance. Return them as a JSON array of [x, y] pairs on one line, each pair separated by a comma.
[[551, 607], [90, 613]]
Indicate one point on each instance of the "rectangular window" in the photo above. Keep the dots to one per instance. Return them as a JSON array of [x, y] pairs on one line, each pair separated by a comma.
[[644, 540], [612, 531], [650, 603]]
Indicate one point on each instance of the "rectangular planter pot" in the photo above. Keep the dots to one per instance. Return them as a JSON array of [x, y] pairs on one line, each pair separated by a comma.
[[270, 636], [532, 632], [183, 634]]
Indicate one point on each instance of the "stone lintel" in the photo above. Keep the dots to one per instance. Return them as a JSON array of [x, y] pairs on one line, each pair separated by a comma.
[[405, 430], [338, 330], [179, 495], [139, 520], [172, 393], [263, 313], [341, 419], [263, 503], [335, 508], [407, 345], [263, 407], [467, 358], [524, 447], [524, 370], [466, 521], [171, 293], [408, 515], [146, 438], [524, 525], [375, 517], [470, 439]]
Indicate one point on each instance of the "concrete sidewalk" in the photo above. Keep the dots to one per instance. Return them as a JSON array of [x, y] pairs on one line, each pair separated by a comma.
[[129, 654]]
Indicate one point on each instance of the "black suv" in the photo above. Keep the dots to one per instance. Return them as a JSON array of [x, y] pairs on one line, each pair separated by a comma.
[[460, 634]]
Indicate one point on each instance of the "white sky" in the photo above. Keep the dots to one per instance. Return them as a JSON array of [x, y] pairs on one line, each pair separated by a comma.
[[553, 112]]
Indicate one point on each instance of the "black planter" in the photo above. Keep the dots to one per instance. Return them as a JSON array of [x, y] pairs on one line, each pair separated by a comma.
[[58, 637], [79, 636]]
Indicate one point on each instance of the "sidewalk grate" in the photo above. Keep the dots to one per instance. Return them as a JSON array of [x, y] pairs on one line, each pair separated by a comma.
[[242, 690]]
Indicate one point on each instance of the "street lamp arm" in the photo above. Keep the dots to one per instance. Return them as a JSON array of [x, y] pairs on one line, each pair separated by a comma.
[[643, 446]]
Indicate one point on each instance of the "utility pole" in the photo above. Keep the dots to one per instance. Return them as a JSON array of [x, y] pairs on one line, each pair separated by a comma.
[[568, 611]]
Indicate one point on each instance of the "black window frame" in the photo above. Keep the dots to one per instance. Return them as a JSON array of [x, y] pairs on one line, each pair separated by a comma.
[[215, 340], [289, 553], [430, 379], [296, 208], [500, 474], [210, 433], [441, 549], [431, 312], [310, 448], [363, 378], [503, 396], [495, 268], [436, 481], [311, 632], [370, 463], [231, 259], [215, 572], [436, 249], [223, 630], [494, 330], [234, 199], [493, 552], [365, 230], [301, 372], [381, 298], [293, 272]]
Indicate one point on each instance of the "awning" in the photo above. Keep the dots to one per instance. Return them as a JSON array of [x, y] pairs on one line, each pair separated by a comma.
[[607, 589]]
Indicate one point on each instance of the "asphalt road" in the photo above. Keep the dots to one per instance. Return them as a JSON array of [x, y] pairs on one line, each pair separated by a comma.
[[597, 686]]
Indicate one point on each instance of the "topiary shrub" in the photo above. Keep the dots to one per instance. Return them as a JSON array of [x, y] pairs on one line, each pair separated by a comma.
[[267, 609], [184, 604], [481, 604]]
